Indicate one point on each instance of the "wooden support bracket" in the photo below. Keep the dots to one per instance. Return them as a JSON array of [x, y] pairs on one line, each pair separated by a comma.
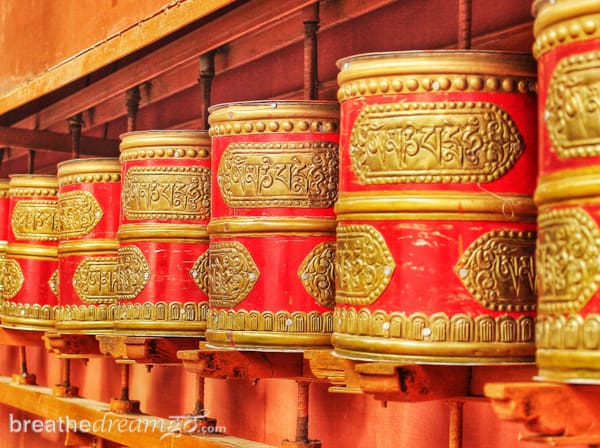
[[21, 338], [233, 364], [80, 346], [557, 414], [145, 350]]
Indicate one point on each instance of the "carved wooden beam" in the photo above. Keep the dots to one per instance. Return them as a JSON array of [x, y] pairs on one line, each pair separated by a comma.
[[145, 350]]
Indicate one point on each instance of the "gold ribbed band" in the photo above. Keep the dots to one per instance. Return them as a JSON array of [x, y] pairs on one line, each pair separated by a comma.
[[28, 317], [430, 205], [165, 144], [568, 184], [270, 225], [86, 247], [33, 185], [79, 171], [163, 232], [32, 251]]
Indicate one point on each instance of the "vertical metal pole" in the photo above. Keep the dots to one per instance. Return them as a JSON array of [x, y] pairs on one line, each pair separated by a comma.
[[311, 74], [456, 424], [75, 125], [465, 19], [66, 372], [132, 102], [30, 161], [302, 412], [199, 407], [207, 73], [23, 360], [124, 382]]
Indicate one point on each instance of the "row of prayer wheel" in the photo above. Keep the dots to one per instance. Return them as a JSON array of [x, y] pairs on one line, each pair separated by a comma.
[[398, 223]]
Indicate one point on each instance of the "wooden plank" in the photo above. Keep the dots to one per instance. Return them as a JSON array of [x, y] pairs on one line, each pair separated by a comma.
[[244, 19], [154, 27], [53, 141], [129, 430]]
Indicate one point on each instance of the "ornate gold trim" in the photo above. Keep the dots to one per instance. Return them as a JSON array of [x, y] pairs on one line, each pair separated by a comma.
[[35, 220], [185, 233], [363, 264], [28, 316], [161, 318], [95, 279], [13, 278], [78, 213], [498, 269], [32, 251], [567, 254], [264, 224], [438, 327], [445, 71], [133, 272], [280, 174], [166, 192], [87, 171], [317, 274], [26, 185], [232, 273], [569, 332], [433, 142], [269, 321], [257, 117], [199, 272], [54, 282], [568, 184], [102, 313], [161, 144], [570, 115], [564, 22], [505, 207], [87, 247]]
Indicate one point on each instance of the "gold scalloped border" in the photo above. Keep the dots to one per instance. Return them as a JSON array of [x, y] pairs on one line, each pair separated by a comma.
[[442, 83], [163, 311], [29, 312], [438, 327], [569, 332], [277, 322], [87, 313]]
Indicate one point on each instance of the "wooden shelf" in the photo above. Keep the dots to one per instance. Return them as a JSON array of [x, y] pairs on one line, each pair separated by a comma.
[[145, 350]]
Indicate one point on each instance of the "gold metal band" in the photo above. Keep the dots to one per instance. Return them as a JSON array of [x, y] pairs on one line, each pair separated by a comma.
[[568, 184], [186, 233], [253, 225], [32, 251], [81, 171]]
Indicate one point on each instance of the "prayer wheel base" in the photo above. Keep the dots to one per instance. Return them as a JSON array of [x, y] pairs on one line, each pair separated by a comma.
[[91, 327], [28, 379], [568, 366], [267, 341], [119, 406], [365, 348], [63, 391], [27, 324]]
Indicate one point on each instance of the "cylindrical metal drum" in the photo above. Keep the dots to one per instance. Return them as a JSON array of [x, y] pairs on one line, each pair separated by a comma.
[[272, 228], [568, 195], [4, 208], [31, 268], [88, 214], [436, 222], [163, 241]]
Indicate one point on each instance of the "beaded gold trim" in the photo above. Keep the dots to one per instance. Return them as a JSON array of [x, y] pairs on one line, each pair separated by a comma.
[[498, 269], [363, 264], [438, 327], [88, 178], [172, 152], [78, 213], [280, 321], [53, 282], [317, 274], [199, 272], [163, 311], [567, 254], [447, 142], [299, 174], [133, 272], [13, 278], [551, 31], [35, 220], [271, 126]]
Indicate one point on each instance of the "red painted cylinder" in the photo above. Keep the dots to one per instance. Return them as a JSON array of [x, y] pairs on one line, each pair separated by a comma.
[[88, 214], [31, 267], [272, 229], [163, 241], [436, 223], [567, 48]]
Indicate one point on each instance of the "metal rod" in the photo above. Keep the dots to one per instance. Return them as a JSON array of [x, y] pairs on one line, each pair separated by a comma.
[[66, 372], [302, 412], [311, 74], [207, 73], [132, 101], [23, 360], [199, 407], [75, 125], [456, 424], [30, 161], [465, 19], [124, 382]]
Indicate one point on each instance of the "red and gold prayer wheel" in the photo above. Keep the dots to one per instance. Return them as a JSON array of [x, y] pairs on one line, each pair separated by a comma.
[[436, 222], [88, 214], [272, 228], [567, 48], [4, 208], [31, 266], [163, 241]]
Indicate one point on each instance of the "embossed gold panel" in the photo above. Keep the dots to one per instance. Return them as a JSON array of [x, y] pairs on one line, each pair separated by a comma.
[[433, 142], [572, 112], [13, 278], [232, 273], [567, 255], [257, 175], [78, 213], [498, 269], [35, 220], [199, 272], [166, 192], [133, 272], [317, 273], [363, 264], [95, 280]]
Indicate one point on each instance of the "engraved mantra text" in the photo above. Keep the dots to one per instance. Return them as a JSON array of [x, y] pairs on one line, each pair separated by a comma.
[[78, 213], [95, 279], [35, 219]]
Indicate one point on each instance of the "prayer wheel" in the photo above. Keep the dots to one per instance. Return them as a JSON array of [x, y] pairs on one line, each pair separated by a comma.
[[31, 265], [567, 48], [4, 207], [88, 214], [163, 241], [436, 221], [272, 229]]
